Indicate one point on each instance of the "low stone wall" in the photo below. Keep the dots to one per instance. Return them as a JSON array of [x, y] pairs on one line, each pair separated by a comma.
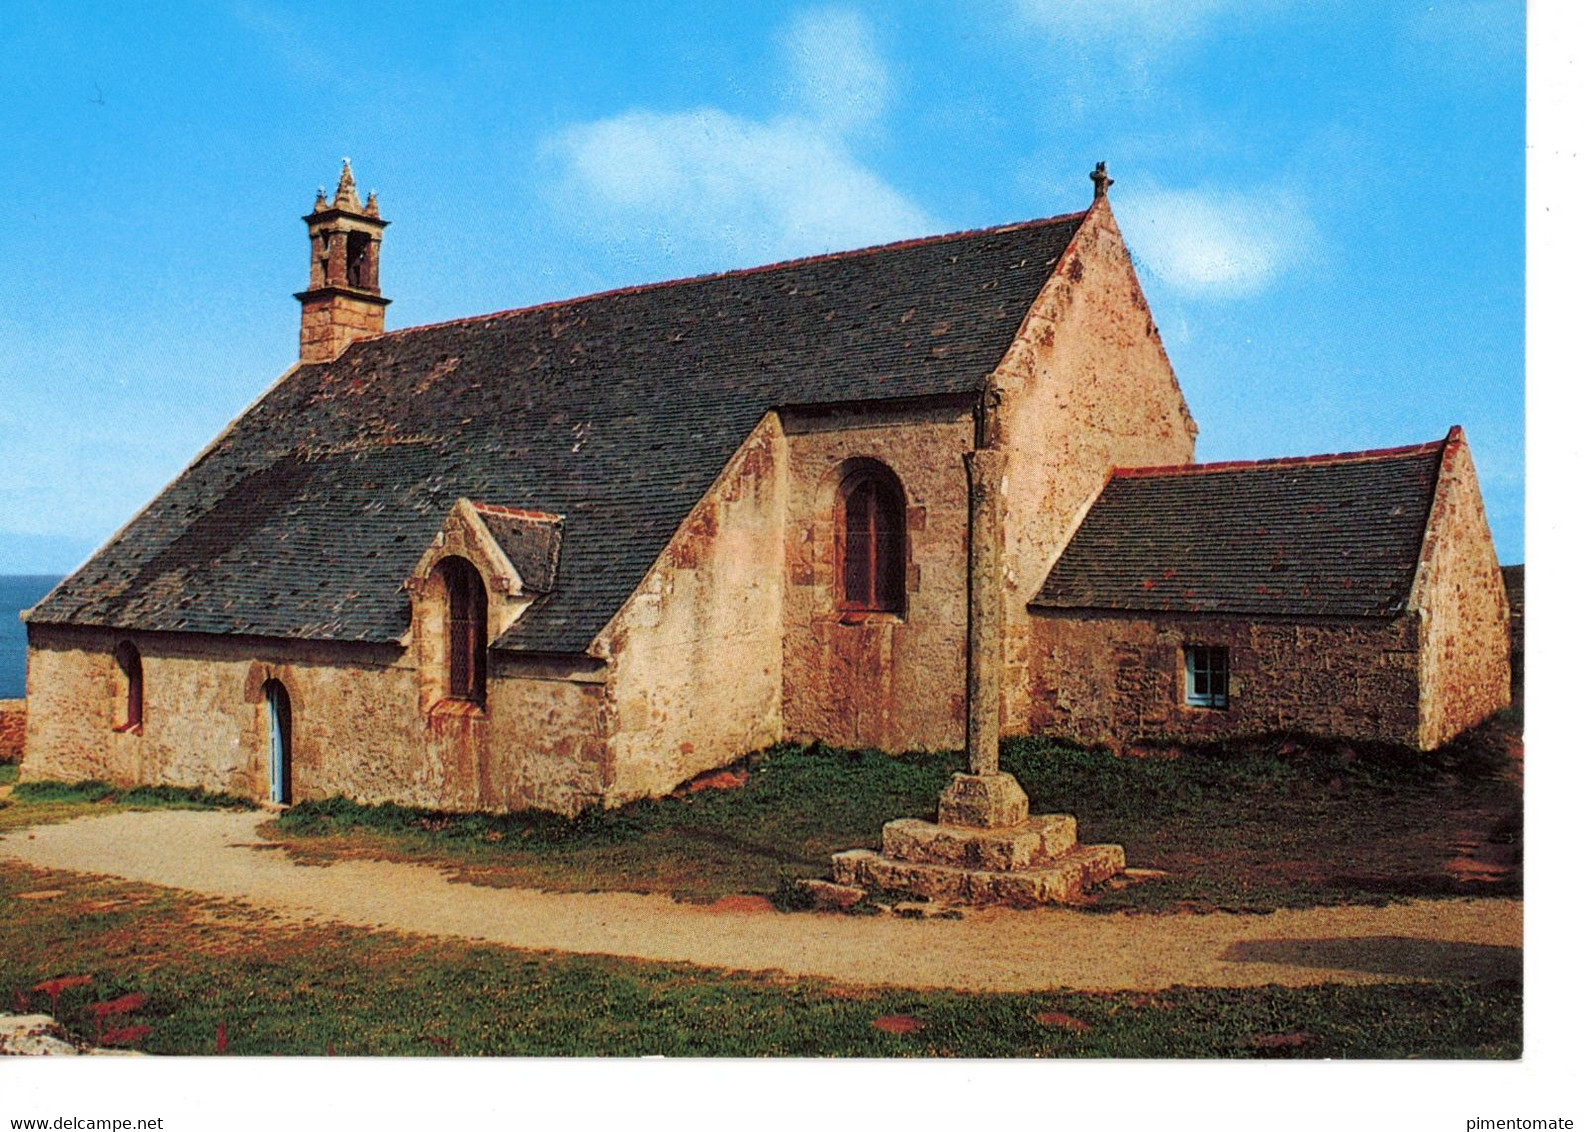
[[13, 729], [1118, 680]]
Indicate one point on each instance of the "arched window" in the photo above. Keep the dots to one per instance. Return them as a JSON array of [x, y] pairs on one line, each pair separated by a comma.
[[467, 608], [872, 540], [129, 712]]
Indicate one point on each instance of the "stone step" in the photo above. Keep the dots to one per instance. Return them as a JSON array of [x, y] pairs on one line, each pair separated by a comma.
[[1036, 842], [1061, 881]]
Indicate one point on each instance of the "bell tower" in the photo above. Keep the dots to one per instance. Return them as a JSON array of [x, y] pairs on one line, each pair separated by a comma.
[[343, 303]]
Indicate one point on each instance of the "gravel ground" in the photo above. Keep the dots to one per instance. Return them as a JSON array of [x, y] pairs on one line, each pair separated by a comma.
[[223, 854]]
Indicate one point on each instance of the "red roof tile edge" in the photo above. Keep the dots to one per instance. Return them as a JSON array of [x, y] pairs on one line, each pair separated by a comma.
[[1452, 438], [513, 512], [638, 288]]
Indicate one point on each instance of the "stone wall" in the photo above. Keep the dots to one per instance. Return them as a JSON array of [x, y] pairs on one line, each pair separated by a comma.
[[359, 727], [1086, 387], [13, 729], [1116, 679], [1465, 665], [695, 654], [878, 679]]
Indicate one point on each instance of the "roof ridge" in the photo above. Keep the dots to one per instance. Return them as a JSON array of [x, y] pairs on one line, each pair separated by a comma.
[[1321, 459], [822, 257], [512, 512]]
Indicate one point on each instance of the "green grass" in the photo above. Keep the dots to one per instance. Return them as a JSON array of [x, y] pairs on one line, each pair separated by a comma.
[[308, 989], [1284, 822], [45, 803], [1289, 822], [8, 773]]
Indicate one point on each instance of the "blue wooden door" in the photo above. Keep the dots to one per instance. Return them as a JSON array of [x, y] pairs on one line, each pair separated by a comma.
[[280, 741]]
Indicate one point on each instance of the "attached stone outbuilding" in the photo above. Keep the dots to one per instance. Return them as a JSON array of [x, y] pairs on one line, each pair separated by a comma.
[[1355, 596]]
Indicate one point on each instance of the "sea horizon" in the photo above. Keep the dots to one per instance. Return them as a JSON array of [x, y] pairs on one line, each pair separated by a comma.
[[18, 592]]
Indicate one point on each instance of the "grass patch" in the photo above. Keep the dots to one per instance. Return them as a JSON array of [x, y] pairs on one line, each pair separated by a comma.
[[1291, 822], [280, 987], [46, 803], [8, 773], [1280, 822]]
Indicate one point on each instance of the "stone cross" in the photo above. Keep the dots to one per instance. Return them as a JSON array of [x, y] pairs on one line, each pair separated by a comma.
[[984, 798], [986, 468]]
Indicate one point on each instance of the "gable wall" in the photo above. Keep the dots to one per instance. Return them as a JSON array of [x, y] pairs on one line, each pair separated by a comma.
[[1086, 387], [1459, 595], [878, 680], [358, 727], [1119, 679], [695, 654]]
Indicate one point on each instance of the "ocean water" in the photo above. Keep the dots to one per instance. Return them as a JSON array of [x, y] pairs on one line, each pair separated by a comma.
[[17, 592]]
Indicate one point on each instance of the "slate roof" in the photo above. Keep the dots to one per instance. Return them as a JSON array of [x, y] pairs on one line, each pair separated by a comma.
[[616, 410], [1314, 536], [531, 539]]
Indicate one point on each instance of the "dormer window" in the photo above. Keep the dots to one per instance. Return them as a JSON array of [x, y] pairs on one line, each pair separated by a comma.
[[467, 615], [129, 706], [872, 542]]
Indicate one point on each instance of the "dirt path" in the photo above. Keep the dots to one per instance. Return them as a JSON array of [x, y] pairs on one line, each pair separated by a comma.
[[222, 854]]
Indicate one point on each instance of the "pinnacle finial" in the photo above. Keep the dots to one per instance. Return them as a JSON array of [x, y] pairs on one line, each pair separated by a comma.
[[371, 206], [320, 204], [1101, 181], [346, 190]]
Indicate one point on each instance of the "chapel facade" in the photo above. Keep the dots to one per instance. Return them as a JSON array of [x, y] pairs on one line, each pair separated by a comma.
[[579, 553]]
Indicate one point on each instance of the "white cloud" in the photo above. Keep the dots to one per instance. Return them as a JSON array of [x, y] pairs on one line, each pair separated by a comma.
[[707, 188], [706, 179], [1218, 244], [838, 76]]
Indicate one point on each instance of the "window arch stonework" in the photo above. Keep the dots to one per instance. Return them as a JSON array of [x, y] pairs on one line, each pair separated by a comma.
[[871, 542], [466, 632]]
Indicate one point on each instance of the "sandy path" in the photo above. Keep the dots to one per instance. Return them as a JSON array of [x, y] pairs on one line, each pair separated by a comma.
[[989, 949]]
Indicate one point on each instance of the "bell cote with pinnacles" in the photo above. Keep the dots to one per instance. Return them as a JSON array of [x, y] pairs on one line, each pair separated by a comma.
[[343, 303]]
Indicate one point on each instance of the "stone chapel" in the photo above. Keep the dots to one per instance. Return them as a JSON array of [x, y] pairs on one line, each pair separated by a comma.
[[576, 554]]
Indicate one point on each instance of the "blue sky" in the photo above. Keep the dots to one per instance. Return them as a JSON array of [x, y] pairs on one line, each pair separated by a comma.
[[1325, 201]]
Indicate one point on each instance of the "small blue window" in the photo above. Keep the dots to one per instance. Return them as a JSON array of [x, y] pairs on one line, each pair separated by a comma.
[[1207, 670]]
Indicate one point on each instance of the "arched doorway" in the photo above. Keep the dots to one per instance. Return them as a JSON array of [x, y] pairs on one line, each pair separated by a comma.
[[278, 708], [858, 651]]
